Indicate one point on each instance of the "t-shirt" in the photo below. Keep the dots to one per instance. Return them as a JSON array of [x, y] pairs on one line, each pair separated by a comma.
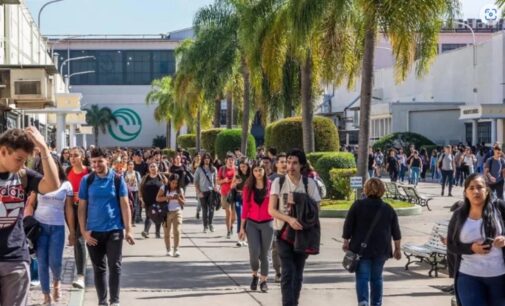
[[75, 181], [13, 246], [173, 205], [180, 171], [150, 189], [288, 187], [229, 173], [496, 168], [447, 161], [104, 213], [51, 206], [141, 168], [392, 163], [132, 180]]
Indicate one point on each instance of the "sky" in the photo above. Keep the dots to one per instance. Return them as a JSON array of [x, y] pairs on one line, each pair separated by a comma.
[[139, 16]]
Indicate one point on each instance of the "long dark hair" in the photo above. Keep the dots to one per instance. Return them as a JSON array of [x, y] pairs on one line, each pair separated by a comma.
[[489, 228], [243, 160], [250, 183], [206, 156]]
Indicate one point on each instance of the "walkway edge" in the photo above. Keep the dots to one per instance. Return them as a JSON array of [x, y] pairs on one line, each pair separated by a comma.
[[76, 297]]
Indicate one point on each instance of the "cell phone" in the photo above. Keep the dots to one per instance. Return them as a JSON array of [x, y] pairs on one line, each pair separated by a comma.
[[488, 242]]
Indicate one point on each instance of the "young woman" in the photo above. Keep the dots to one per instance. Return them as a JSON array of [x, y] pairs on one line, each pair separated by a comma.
[[133, 180], [476, 236], [433, 165], [205, 182], [224, 178], [194, 165], [426, 163], [416, 166], [149, 187], [392, 165], [52, 210], [244, 171], [65, 158], [259, 226], [173, 195]]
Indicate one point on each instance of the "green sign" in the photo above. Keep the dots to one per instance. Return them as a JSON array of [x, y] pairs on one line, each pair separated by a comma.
[[128, 127]]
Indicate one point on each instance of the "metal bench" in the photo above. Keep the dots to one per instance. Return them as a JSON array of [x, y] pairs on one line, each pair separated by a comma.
[[393, 192], [433, 252], [415, 198]]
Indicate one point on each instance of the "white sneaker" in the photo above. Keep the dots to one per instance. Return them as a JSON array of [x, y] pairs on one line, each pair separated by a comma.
[[244, 243], [169, 253], [79, 282], [177, 254], [35, 284], [114, 304]]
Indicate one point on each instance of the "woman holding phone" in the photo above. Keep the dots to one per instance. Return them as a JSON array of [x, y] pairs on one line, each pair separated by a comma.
[[173, 195], [476, 237]]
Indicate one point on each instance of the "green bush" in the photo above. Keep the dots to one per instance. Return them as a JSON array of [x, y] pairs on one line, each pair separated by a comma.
[[340, 183], [230, 139], [286, 134], [209, 140], [402, 140], [337, 160], [191, 151], [168, 152], [315, 156], [186, 141]]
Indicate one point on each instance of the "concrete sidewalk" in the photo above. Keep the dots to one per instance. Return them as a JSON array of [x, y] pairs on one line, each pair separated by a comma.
[[213, 271]]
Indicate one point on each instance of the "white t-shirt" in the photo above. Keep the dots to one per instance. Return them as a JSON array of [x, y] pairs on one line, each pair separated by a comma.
[[288, 187], [173, 205], [488, 265], [51, 206]]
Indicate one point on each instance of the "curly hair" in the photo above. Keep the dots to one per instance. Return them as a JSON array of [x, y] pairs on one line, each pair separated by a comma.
[[17, 139]]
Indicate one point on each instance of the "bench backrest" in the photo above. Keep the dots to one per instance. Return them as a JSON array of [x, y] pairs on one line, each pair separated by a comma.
[[439, 229], [410, 192]]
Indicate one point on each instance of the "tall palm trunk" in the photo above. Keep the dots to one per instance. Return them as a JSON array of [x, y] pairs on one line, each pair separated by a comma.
[[307, 107], [198, 129], [217, 112], [95, 129], [245, 112], [229, 110], [168, 133], [366, 98]]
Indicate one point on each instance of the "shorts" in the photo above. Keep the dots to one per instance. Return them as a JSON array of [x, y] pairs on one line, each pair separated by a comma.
[[224, 202]]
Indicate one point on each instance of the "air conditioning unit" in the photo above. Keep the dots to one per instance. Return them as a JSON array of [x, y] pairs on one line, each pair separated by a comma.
[[31, 88]]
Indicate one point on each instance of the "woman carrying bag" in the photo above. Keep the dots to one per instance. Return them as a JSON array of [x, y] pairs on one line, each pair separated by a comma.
[[205, 186]]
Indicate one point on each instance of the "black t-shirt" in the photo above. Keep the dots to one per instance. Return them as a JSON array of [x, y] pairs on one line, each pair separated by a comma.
[[392, 162], [180, 171], [150, 189], [370, 161], [13, 246], [142, 168], [416, 162]]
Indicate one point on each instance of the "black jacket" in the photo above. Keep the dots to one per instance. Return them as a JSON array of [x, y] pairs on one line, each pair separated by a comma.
[[358, 221]]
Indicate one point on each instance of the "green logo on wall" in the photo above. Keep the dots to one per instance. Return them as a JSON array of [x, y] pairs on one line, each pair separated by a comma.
[[128, 127]]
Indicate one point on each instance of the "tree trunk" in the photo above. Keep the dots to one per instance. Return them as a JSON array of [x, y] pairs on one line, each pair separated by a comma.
[[245, 112], [198, 129], [96, 135], [168, 134], [366, 98], [307, 107], [217, 113], [229, 110]]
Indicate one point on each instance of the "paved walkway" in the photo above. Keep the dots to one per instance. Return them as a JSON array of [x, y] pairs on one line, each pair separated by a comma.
[[213, 271]]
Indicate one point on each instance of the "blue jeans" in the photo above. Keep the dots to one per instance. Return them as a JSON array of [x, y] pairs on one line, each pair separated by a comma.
[[34, 269], [50, 253], [370, 173], [480, 291], [238, 210], [370, 271], [403, 169], [414, 175]]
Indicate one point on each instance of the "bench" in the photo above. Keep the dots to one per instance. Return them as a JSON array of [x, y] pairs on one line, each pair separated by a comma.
[[393, 192], [415, 198], [433, 252]]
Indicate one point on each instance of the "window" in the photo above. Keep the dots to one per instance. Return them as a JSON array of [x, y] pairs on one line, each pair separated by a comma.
[[449, 47], [468, 132], [484, 132], [138, 67], [109, 67]]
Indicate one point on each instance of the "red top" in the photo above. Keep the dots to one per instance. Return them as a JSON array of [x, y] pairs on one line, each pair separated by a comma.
[[75, 180], [253, 211], [229, 173]]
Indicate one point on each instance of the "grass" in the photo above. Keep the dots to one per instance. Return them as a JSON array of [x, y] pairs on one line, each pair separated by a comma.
[[328, 204]]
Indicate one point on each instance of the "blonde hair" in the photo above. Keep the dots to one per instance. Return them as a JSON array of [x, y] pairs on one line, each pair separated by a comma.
[[374, 188]]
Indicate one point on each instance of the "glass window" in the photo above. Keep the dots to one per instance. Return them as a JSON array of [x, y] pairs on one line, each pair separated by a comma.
[[484, 132], [449, 47], [138, 67], [109, 67], [468, 132]]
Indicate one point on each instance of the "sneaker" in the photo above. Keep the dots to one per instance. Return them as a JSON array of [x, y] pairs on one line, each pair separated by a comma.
[[114, 304], [254, 283], [205, 230], [79, 282], [450, 194], [145, 235], [169, 253], [239, 243], [211, 227], [158, 236], [228, 236], [35, 283], [264, 286], [277, 278], [177, 254], [244, 243]]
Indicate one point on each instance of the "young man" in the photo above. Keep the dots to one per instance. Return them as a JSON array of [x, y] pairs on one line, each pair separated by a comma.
[[281, 201], [139, 165], [224, 179], [102, 219], [447, 165], [494, 172], [15, 185], [267, 163]]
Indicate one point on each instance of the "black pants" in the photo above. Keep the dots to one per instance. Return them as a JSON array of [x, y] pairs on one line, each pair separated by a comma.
[[207, 209], [148, 222], [292, 265], [108, 251], [79, 246], [447, 179], [393, 174], [498, 187]]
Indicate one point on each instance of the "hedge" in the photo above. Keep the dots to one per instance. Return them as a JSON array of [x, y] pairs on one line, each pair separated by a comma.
[[402, 140], [168, 152], [229, 139], [186, 141], [191, 151], [286, 134], [337, 160], [341, 183], [315, 156], [209, 140]]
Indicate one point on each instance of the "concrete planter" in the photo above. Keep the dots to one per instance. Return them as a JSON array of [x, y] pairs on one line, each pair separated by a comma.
[[334, 213]]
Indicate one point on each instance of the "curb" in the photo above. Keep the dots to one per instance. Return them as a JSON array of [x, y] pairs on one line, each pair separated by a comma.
[[76, 297], [334, 213]]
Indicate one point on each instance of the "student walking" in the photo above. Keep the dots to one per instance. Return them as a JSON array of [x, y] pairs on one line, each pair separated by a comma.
[[133, 180], [258, 225], [173, 196], [149, 187], [205, 183], [494, 172], [224, 179], [416, 166], [447, 165], [237, 185], [105, 220]]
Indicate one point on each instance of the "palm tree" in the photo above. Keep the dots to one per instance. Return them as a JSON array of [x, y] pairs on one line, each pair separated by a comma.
[[99, 119]]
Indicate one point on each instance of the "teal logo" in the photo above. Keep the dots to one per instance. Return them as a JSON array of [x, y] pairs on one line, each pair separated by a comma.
[[128, 127]]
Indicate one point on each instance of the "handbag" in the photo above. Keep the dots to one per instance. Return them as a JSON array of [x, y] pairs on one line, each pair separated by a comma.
[[214, 197], [232, 196], [351, 259]]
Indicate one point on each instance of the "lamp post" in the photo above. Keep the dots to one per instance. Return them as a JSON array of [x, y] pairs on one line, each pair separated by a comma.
[[67, 77], [75, 59], [42, 8]]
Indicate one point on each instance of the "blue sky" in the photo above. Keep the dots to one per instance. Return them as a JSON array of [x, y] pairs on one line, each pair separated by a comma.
[[138, 16]]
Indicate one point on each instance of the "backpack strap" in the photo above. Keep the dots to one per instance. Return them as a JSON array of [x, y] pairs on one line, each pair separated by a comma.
[[306, 184], [282, 179], [117, 186]]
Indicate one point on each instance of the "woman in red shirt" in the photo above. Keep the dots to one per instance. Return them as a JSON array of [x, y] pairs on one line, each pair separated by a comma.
[[258, 224]]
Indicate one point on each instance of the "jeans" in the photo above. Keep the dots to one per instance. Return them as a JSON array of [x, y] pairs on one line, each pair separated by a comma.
[[498, 188], [79, 246], [403, 169], [414, 175], [50, 253], [393, 174], [292, 265], [108, 251], [208, 209], [136, 211], [434, 172], [238, 211], [370, 173], [148, 222], [480, 291], [447, 179], [34, 269], [370, 271]]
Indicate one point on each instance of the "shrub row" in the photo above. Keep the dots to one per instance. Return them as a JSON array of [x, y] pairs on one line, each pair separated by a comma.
[[325, 162], [228, 140], [402, 140], [186, 141], [340, 182]]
